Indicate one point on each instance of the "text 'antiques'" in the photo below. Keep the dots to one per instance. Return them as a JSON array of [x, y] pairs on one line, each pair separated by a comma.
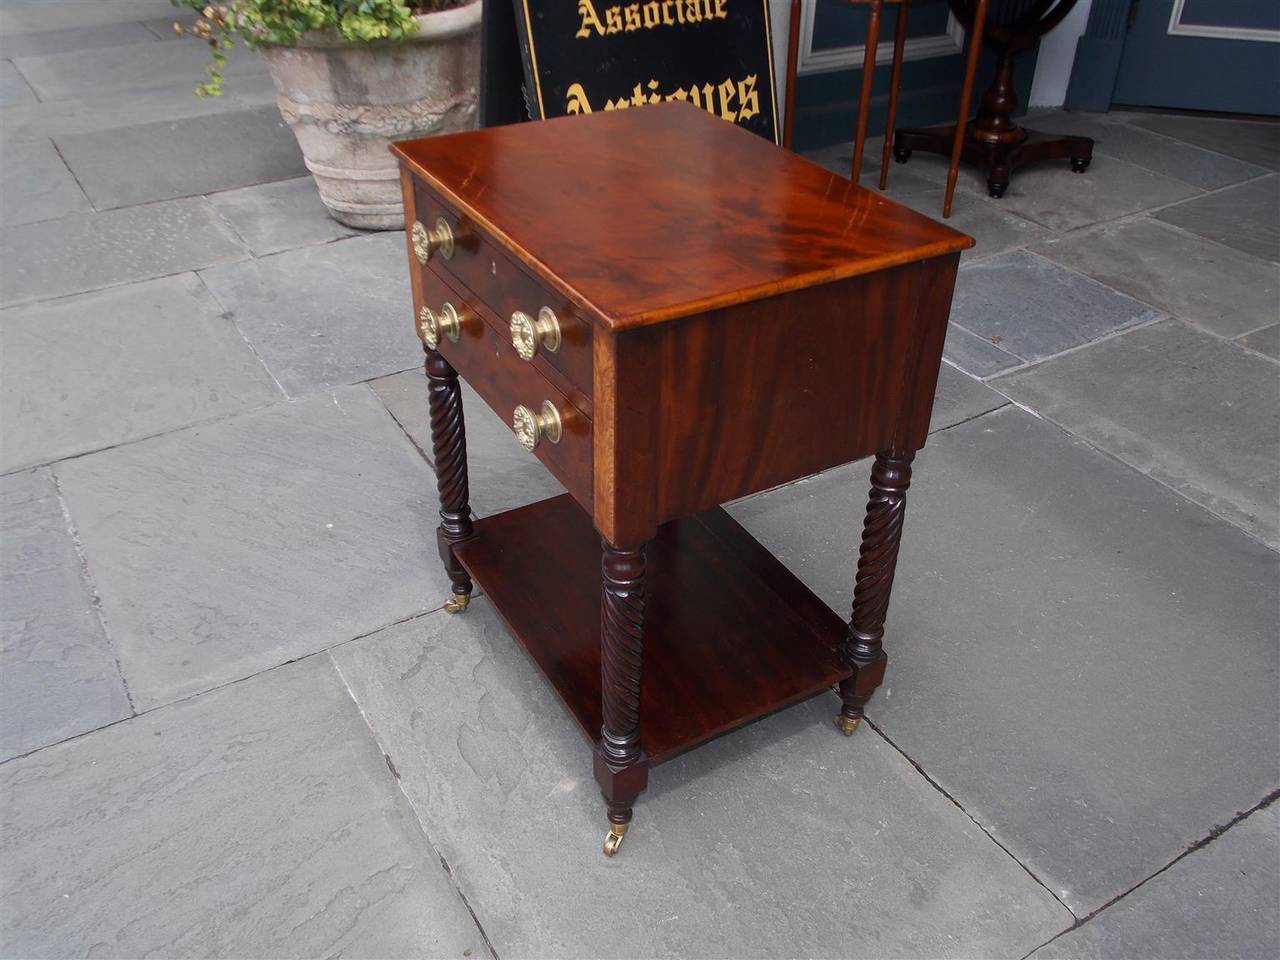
[[584, 56]]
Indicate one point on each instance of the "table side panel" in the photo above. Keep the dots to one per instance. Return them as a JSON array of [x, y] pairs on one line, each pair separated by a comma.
[[937, 285], [717, 406]]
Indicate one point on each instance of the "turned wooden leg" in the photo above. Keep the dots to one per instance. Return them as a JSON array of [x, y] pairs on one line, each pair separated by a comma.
[[895, 81], [621, 767], [962, 117], [864, 95], [877, 558], [449, 449]]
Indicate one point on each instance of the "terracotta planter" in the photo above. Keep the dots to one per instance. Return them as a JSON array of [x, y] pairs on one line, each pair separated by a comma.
[[347, 101]]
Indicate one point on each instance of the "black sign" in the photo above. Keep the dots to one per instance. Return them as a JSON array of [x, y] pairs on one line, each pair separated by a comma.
[[584, 56]]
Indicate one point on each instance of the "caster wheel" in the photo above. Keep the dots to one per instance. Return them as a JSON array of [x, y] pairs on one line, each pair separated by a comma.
[[457, 603], [613, 839], [847, 725], [996, 190], [901, 154], [1080, 164]]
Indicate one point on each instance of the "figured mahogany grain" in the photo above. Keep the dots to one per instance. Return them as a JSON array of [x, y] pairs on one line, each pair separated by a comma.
[[729, 633], [716, 406], [650, 213]]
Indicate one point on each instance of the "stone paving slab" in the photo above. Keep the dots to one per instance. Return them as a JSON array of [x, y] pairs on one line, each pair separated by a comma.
[[257, 821], [160, 355], [1085, 660], [902, 182], [92, 114], [182, 157], [976, 356], [1215, 287], [1054, 197], [35, 184], [162, 27], [22, 16], [90, 251], [58, 676], [1115, 135], [1266, 340], [117, 70], [273, 217], [14, 90], [1246, 217], [1032, 308], [1184, 407], [227, 548], [45, 42], [930, 169], [995, 230], [783, 839], [1219, 902], [327, 315], [960, 397], [1257, 143]]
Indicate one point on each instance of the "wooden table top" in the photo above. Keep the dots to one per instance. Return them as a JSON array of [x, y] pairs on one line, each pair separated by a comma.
[[650, 213]]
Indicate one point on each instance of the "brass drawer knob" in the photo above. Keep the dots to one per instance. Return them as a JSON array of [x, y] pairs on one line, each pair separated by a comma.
[[532, 428], [426, 242], [527, 334], [432, 325]]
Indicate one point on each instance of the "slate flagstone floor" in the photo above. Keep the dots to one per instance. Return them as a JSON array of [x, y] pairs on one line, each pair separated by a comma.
[[235, 722]]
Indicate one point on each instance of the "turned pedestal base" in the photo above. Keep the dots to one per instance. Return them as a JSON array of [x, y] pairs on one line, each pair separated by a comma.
[[998, 159]]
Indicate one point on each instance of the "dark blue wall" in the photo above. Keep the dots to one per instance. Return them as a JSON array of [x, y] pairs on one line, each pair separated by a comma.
[[826, 103]]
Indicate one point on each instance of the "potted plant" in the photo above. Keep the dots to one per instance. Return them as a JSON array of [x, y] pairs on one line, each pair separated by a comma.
[[350, 77]]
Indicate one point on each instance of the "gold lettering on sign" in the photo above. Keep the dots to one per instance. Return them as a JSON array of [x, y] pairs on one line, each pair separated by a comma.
[[647, 16], [576, 100], [732, 100], [748, 98], [589, 20]]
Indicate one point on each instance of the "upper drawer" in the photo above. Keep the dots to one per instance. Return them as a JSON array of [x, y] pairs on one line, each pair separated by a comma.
[[488, 364], [489, 273]]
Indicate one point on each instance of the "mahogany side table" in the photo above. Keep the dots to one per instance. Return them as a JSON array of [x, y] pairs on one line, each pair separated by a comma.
[[674, 313]]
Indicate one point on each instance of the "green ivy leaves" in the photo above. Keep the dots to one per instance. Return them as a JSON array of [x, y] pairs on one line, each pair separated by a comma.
[[283, 22]]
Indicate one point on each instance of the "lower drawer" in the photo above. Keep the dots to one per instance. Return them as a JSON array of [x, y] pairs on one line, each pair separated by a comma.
[[505, 382]]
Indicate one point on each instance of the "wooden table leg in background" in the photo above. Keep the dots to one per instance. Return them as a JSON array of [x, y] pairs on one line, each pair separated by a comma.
[[449, 450], [881, 534], [621, 767], [895, 81], [868, 76], [793, 54], [962, 118]]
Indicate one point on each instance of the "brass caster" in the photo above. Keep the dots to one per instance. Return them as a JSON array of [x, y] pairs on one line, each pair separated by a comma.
[[457, 603], [847, 724], [614, 839]]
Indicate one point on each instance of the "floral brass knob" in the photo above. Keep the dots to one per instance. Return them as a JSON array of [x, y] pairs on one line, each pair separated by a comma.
[[528, 334], [426, 242], [432, 325], [532, 428]]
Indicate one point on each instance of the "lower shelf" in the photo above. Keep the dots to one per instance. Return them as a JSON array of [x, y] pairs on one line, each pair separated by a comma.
[[729, 635]]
